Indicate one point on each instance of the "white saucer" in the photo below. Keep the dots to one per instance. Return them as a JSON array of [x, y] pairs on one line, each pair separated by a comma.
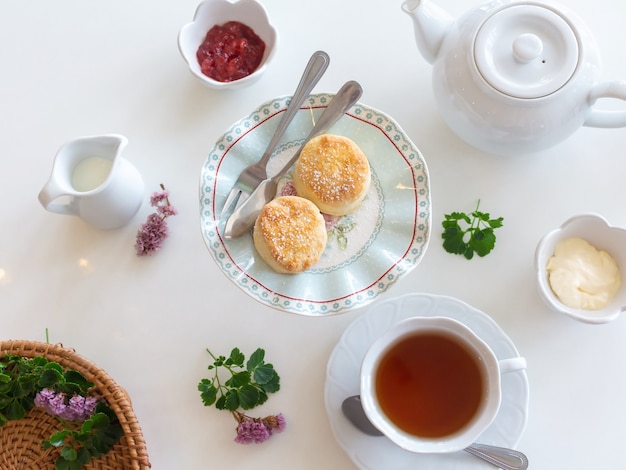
[[342, 380]]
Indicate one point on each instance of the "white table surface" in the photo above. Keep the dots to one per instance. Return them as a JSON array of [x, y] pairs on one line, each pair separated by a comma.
[[74, 67]]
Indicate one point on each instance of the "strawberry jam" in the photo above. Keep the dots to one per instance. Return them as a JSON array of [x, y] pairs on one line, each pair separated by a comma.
[[230, 52]]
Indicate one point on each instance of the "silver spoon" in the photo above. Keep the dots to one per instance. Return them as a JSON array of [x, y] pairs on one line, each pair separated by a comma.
[[506, 459]]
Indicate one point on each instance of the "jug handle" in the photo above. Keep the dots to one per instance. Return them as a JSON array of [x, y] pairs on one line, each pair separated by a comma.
[[52, 191], [605, 118]]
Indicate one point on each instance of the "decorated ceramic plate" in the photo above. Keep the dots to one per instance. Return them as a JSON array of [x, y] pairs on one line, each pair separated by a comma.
[[367, 251], [342, 380]]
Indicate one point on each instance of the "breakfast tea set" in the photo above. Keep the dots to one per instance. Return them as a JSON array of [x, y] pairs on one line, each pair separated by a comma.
[[510, 78]]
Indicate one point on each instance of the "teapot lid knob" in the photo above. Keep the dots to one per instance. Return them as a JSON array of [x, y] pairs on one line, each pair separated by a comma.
[[527, 47], [526, 50]]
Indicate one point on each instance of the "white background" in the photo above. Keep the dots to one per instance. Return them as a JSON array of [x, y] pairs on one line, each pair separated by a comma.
[[82, 67]]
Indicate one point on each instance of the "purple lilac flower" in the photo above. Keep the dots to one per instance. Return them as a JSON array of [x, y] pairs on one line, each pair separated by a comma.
[[276, 423], [166, 211], [159, 197], [74, 408], [250, 430], [43, 397], [257, 430], [80, 408], [152, 233]]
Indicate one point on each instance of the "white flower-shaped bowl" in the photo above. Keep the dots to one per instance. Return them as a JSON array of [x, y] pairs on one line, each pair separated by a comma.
[[595, 230], [217, 12]]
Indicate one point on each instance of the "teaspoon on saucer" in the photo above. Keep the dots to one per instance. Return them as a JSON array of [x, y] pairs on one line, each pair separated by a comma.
[[506, 459]]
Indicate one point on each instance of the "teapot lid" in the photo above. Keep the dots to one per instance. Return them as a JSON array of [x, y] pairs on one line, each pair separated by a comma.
[[526, 50]]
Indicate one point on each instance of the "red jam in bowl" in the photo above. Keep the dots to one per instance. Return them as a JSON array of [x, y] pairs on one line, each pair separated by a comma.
[[230, 52]]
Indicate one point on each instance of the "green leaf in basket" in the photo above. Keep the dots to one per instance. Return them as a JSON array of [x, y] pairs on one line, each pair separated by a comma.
[[49, 378], [78, 379], [58, 438], [62, 464], [53, 366], [69, 453], [83, 456], [105, 434], [5, 401], [15, 410]]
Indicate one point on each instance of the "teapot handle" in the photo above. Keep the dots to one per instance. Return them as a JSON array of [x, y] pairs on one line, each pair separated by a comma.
[[605, 118]]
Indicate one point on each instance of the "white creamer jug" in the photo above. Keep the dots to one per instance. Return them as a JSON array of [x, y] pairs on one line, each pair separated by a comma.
[[90, 179]]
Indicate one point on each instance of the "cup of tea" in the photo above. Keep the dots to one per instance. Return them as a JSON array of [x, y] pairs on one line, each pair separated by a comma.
[[431, 385]]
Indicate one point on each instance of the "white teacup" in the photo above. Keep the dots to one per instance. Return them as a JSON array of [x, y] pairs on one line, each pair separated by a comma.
[[431, 385]]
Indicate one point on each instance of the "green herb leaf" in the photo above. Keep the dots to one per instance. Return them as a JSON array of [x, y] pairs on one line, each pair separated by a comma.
[[208, 392], [231, 402], [239, 379], [248, 396], [264, 374], [273, 385], [478, 238], [256, 359], [246, 387], [220, 404], [236, 357]]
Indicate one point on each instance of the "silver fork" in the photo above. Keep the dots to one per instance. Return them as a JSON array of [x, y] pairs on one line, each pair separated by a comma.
[[252, 175]]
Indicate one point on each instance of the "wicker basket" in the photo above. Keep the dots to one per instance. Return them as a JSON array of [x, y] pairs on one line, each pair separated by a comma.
[[20, 440]]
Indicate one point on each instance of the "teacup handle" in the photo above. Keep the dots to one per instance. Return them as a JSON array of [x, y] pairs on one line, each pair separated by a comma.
[[605, 118], [52, 191], [512, 364]]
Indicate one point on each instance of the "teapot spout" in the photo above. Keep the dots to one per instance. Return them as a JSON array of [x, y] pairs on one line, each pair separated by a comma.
[[431, 24]]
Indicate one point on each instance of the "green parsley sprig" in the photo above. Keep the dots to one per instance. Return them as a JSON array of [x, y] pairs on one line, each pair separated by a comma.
[[20, 381], [478, 237], [248, 385]]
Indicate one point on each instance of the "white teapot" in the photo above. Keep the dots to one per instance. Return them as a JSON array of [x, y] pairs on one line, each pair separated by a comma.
[[514, 77]]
